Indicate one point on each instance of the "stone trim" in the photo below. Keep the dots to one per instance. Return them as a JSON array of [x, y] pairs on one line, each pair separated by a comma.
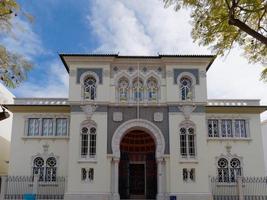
[[141, 124], [194, 72], [96, 72]]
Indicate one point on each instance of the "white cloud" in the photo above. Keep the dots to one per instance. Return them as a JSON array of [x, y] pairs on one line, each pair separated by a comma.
[[140, 28], [22, 39], [55, 85], [145, 27]]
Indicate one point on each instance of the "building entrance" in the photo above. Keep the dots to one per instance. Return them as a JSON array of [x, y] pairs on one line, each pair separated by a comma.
[[137, 167]]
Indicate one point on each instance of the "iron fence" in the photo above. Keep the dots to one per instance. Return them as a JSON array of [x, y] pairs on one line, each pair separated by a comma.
[[243, 188], [15, 187]]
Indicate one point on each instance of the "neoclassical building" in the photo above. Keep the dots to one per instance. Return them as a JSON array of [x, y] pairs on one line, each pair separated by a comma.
[[136, 127]]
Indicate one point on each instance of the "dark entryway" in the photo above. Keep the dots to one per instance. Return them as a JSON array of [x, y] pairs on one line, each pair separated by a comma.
[[137, 179], [137, 168]]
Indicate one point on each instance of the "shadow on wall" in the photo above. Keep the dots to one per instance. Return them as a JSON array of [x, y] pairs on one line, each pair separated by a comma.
[[4, 156]]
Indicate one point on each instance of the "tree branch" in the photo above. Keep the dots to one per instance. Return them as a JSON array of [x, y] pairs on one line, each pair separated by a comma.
[[247, 29]]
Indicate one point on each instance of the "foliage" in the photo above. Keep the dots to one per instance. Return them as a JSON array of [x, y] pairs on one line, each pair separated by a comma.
[[221, 24], [13, 67]]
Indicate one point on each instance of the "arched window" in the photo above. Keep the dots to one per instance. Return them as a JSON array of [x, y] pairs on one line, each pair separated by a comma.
[[152, 89], [39, 167], [229, 169], [88, 142], [123, 89], [186, 88], [51, 169], [46, 170], [138, 90], [89, 86], [187, 142]]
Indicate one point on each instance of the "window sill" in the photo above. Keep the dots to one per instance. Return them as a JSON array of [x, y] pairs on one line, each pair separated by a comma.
[[87, 160], [87, 181], [226, 184], [229, 139], [46, 137], [188, 160]]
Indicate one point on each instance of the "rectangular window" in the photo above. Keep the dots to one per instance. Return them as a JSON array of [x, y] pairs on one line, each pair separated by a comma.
[[240, 128], [185, 174], [188, 174], [191, 145], [33, 127], [192, 174], [84, 145], [83, 174], [91, 174], [183, 145], [226, 128], [213, 128], [47, 127], [92, 151], [61, 126], [229, 128]]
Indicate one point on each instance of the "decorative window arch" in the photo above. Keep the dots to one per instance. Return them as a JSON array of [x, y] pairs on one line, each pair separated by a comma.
[[123, 89], [152, 89], [138, 89], [45, 168], [186, 82], [88, 140], [89, 82], [229, 168], [187, 139]]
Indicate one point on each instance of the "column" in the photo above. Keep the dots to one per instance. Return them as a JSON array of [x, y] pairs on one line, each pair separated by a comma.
[[3, 187], [116, 195], [160, 178]]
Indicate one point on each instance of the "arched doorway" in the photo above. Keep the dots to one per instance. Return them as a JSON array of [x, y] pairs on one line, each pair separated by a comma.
[[137, 167], [155, 133]]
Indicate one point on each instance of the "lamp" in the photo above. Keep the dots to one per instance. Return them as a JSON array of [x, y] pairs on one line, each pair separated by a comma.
[[4, 114]]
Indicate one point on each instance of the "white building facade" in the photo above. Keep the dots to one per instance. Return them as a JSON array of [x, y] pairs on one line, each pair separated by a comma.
[[136, 127], [264, 141]]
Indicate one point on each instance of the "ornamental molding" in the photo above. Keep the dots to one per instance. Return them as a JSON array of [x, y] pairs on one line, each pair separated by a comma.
[[89, 110], [138, 124], [89, 73], [186, 74], [45, 156], [88, 123], [158, 116], [187, 110], [187, 124], [117, 116]]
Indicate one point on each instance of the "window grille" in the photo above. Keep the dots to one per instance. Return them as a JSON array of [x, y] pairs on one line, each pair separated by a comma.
[[89, 86], [187, 142], [229, 170], [88, 142]]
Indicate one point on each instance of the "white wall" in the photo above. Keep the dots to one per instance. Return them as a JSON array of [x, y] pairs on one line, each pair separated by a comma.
[[24, 149], [4, 155], [264, 141], [250, 150], [102, 169]]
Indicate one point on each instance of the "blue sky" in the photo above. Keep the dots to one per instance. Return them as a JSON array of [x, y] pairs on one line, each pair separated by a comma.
[[125, 26]]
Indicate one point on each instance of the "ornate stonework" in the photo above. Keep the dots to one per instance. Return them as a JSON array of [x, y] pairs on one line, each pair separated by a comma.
[[187, 124], [187, 110], [140, 124], [117, 116], [89, 110], [158, 116]]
